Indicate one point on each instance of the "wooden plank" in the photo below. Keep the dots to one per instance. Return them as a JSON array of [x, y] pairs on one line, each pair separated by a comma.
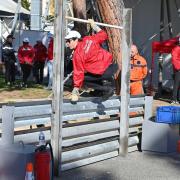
[[90, 138], [90, 151], [90, 128], [88, 160], [125, 81], [58, 76]]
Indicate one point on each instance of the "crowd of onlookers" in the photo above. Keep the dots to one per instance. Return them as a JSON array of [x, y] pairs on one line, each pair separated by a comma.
[[32, 59]]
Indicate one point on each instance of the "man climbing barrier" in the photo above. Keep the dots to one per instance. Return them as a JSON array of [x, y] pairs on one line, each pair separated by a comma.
[[92, 64]]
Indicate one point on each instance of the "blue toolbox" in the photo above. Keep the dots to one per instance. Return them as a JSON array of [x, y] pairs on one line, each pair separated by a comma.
[[168, 114]]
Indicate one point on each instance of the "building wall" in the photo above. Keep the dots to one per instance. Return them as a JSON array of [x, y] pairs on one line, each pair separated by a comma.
[[146, 28]]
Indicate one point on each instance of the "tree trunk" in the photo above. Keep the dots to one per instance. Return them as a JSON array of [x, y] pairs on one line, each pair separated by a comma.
[[79, 8], [114, 9], [111, 12]]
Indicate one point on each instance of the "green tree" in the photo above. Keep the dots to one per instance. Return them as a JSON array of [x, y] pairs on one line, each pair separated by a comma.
[[25, 4]]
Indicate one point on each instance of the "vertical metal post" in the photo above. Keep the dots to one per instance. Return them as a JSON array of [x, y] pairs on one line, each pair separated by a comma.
[[162, 21], [7, 125], [148, 107], [56, 131], [17, 14], [0, 39], [36, 14], [160, 60], [125, 81], [169, 19]]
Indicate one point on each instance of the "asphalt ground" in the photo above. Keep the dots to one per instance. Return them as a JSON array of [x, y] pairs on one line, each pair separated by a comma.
[[136, 166]]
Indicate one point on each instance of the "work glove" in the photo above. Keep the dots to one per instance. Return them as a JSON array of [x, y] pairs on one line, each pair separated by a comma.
[[93, 25], [75, 95]]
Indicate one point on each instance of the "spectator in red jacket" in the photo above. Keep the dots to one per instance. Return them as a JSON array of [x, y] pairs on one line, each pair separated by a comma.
[[176, 66], [39, 61], [50, 63], [26, 56], [91, 63]]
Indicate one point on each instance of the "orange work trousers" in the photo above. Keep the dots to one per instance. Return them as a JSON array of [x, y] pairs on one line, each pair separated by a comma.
[[136, 88]]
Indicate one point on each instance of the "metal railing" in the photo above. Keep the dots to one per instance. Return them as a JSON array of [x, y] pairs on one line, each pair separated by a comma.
[[90, 131]]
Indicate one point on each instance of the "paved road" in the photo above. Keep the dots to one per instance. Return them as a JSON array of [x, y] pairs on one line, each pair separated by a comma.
[[137, 166]]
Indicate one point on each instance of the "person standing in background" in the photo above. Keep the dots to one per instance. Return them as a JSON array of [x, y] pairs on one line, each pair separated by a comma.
[[176, 66], [26, 56], [50, 63], [9, 59], [138, 72], [39, 61]]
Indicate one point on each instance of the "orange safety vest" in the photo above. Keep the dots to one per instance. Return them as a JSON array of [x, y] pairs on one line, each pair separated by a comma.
[[138, 68]]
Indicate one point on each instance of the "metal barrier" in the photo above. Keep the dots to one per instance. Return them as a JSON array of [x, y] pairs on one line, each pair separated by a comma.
[[90, 131]]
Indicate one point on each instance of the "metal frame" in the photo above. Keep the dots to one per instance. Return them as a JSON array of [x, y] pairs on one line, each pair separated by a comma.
[[84, 137]]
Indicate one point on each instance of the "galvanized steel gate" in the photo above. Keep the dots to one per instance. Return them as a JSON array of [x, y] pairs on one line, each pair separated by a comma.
[[90, 131]]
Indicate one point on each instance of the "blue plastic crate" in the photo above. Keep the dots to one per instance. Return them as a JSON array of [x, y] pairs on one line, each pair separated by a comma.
[[168, 114]]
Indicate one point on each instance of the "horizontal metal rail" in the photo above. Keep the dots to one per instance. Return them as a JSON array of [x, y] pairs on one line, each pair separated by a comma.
[[90, 131]]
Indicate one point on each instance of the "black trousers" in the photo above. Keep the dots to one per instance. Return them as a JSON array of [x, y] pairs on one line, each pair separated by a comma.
[[101, 82], [10, 70], [26, 70], [39, 71], [176, 87]]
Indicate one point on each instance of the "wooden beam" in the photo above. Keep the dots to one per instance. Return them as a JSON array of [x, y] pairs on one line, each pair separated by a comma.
[[56, 135], [125, 81], [7, 125]]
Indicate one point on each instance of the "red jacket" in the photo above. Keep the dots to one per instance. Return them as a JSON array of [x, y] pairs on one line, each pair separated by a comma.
[[40, 53], [90, 57], [50, 50], [176, 57], [26, 54]]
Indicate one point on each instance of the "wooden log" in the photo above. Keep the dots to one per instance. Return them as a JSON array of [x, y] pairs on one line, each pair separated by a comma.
[[114, 16], [114, 9]]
